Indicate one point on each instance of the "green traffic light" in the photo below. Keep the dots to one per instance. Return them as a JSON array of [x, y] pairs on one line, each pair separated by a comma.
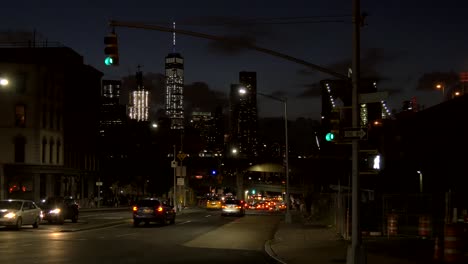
[[329, 136], [109, 61]]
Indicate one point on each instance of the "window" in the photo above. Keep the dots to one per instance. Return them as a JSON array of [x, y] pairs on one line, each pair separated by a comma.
[[44, 145], [51, 120], [58, 116], [20, 82], [44, 116], [20, 115], [58, 151], [51, 151], [20, 146]]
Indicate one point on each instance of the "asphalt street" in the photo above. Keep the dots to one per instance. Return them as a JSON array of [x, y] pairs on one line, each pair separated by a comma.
[[109, 237]]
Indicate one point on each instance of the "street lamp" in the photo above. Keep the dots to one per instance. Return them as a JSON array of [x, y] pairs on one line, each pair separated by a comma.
[[4, 81], [243, 91], [441, 86]]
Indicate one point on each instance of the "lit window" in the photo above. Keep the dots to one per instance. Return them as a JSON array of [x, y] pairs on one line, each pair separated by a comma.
[[20, 115]]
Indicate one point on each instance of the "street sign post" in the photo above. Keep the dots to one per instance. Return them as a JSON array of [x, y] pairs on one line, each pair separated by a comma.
[[181, 156], [354, 133]]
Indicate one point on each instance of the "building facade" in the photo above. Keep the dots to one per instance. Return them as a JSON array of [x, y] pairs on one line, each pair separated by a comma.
[[48, 124], [244, 116], [174, 102], [138, 108]]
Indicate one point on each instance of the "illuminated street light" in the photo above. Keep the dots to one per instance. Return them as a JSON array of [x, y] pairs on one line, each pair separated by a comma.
[[242, 91], [4, 81], [154, 125], [441, 86]]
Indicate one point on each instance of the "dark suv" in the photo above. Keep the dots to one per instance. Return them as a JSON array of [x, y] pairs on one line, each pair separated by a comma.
[[58, 209], [153, 210]]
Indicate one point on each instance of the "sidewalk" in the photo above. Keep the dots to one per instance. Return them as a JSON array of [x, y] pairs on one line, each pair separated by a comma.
[[308, 242]]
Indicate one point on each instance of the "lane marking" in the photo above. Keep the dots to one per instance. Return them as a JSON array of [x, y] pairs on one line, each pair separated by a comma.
[[183, 223], [129, 234], [207, 215]]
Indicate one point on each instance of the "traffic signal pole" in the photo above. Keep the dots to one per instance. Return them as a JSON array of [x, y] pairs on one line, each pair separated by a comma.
[[356, 253]]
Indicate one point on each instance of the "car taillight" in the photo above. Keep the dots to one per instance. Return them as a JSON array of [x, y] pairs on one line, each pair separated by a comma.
[[223, 206], [159, 209], [135, 209]]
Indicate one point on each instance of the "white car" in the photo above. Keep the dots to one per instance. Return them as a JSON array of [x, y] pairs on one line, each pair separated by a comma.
[[16, 213]]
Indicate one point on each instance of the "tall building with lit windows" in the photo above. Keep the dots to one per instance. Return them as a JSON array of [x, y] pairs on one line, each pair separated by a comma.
[[244, 116], [112, 114], [139, 100], [336, 95], [174, 102], [175, 90]]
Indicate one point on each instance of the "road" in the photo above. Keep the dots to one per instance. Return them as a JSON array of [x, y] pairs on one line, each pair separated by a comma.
[[109, 237]]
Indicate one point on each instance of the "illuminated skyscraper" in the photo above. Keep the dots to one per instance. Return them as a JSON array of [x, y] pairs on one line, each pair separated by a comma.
[[139, 100], [175, 88], [244, 114]]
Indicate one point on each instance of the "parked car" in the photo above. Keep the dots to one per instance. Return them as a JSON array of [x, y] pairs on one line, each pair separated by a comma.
[[233, 207], [153, 210], [58, 209], [16, 213]]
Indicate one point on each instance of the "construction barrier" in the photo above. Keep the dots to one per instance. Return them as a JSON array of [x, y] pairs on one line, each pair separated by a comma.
[[392, 225], [453, 243], [424, 228]]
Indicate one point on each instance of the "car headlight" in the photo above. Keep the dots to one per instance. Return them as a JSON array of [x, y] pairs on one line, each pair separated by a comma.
[[10, 215], [55, 211]]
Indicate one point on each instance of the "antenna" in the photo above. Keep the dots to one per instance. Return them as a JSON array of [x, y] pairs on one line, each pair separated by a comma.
[[173, 37]]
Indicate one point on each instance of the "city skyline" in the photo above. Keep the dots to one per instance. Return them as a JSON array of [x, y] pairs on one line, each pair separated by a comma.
[[401, 42]]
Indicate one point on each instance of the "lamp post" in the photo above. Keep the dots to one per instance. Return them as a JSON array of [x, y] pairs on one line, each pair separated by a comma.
[[243, 91], [4, 81]]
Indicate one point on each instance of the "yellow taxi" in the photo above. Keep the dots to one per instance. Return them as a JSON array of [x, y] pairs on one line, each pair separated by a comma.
[[214, 204]]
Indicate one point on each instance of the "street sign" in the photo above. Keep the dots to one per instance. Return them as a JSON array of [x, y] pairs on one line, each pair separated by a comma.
[[180, 181], [181, 156], [376, 97], [99, 183], [181, 171], [354, 133], [173, 164]]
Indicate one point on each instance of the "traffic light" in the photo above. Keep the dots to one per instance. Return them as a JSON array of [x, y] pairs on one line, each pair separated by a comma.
[[330, 136], [111, 50], [334, 133]]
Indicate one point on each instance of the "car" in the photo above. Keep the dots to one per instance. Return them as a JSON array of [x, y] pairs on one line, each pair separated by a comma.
[[16, 213], [213, 204], [233, 207], [153, 210], [57, 209]]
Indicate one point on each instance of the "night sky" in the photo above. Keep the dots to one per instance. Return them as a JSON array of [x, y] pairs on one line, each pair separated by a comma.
[[402, 42]]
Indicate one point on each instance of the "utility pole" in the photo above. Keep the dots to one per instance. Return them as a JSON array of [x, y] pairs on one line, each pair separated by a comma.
[[174, 194], [356, 253]]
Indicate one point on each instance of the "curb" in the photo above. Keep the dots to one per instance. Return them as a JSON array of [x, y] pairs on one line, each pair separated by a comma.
[[269, 251]]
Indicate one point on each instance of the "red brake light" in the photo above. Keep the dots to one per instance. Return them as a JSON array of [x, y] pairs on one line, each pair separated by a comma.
[[135, 208]]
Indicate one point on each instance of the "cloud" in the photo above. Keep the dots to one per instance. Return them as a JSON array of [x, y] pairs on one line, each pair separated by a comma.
[[242, 32], [312, 90], [199, 96], [370, 60], [428, 81]]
